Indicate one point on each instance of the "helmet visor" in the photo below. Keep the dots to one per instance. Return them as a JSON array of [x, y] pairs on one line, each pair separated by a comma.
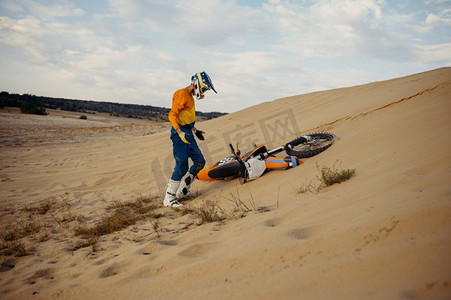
[[206, 82], [202, 83]]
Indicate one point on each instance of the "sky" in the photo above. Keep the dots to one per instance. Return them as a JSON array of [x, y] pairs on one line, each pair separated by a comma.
[[142, 51]]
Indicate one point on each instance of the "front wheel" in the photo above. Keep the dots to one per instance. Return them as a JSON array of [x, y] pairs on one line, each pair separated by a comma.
[[303, 147]]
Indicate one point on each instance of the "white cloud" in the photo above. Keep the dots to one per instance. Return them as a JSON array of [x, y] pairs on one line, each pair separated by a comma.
[[43, 9], [13, 6], [62, 8], [25, 35], [433, 53], [437, 1], [349, 29], [141, 51], [198, 22], [326, 29], [247, 74], [443, 18]]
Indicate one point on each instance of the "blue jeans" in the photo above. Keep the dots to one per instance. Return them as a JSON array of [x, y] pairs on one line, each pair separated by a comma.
[[184, 151]]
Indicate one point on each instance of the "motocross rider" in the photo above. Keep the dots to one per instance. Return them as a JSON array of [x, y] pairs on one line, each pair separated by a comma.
[[182, 117]]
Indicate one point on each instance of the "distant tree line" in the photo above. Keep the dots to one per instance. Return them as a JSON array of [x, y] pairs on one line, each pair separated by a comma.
[[37, 105], [27, 107]]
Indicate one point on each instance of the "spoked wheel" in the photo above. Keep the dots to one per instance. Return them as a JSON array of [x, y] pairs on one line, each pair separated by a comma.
[[302, 147]]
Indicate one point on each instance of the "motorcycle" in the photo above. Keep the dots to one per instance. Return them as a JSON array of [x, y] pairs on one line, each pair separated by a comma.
[[254, 163]]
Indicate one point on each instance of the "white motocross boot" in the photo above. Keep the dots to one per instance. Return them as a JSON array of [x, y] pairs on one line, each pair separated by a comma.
[[185, 185], [170, 198]]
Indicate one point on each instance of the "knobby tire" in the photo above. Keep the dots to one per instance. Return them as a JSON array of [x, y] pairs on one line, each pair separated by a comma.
[[301, 148]]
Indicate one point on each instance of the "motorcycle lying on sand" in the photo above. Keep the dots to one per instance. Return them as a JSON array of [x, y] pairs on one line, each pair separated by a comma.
[[254, 163]]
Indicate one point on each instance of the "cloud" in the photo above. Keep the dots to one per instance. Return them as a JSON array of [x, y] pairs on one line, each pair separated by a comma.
[[247, 73], [198, 22], [331, 29], [437, 1], [433, 53], [24, 34], [43, 9], [359, 29], [443, 18], [141, 51]]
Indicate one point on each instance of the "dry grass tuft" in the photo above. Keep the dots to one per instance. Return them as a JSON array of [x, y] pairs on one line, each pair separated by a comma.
[[43, 207], [120, 215], [16, 248], [209, 212], [328, 176], [331, 176], [90, 242], [10, 237], [13, 237]]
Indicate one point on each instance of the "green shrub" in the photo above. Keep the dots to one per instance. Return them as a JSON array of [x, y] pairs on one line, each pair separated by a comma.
[[30, 108]]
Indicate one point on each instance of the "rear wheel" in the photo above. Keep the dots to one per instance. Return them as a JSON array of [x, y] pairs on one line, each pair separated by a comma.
[[302, 147]]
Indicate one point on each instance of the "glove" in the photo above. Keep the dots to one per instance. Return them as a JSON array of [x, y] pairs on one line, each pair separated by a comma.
[[200, 135], [182, 136]]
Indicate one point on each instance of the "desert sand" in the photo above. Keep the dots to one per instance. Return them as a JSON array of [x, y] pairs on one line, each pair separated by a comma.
[[383, 234]]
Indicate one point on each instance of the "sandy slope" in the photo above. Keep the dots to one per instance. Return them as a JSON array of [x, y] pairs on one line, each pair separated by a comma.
[[384, 234]]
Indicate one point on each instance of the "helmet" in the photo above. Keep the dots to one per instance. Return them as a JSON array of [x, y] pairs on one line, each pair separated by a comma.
[[202, 83]]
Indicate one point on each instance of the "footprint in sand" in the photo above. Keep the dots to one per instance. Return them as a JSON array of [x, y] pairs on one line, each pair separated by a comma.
[[44, 273], [99, 262], [299, 233], [166, 242], [431, 290], [195, 250], [272, 222], [145, 251], [82, 185], [7, 265], [5, 178], [113, 270], [108, 272], [102, 181]]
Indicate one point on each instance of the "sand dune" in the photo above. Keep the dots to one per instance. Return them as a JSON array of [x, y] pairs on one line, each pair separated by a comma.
[[383, 234]]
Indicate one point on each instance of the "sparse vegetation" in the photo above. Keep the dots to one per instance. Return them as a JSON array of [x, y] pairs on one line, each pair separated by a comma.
[[44, 217], [328, 176], [90, 242], [16, 248], [120, 216], [156, 227], [309, 188], [208, 212], [17, 237], [19, 230], [10, 237], [67, 218], [239, 205], [37, 226], [41, 208]]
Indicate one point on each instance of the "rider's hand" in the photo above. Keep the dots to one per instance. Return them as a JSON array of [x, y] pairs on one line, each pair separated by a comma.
[[199, 134], [182, 136]]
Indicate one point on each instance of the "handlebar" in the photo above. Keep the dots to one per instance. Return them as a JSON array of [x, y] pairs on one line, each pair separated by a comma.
[[237, 154]]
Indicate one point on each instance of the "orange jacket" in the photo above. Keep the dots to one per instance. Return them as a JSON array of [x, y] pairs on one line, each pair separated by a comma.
[[183, 111]]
